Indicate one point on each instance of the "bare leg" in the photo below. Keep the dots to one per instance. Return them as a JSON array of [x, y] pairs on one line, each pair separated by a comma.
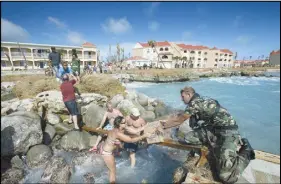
[[133, 159], [110, 163], [70, 118], [75, 121], [98, 140]]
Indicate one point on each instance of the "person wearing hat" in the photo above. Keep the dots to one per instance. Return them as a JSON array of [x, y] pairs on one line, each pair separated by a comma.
[[75, 65], [134, 126], [214, 127], [55, 60], [68, 95]]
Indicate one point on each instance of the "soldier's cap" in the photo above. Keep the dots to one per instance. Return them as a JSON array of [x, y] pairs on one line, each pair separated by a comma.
[[135, 112], [188, 89]]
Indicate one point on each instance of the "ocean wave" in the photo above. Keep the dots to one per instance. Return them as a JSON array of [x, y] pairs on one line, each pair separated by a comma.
[[275, 91], [236, 81]]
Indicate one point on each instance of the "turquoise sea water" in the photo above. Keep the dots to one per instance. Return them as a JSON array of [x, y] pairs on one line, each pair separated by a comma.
[[253, 101]]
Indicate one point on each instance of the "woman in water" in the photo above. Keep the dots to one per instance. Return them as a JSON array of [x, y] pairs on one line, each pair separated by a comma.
[[113, 138]]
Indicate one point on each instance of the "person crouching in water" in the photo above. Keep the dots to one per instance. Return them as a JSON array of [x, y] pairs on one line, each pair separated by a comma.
[[68, 94], [114, 137]]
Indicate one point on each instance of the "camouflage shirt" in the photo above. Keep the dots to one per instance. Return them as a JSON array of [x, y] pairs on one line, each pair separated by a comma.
[[209, 111]]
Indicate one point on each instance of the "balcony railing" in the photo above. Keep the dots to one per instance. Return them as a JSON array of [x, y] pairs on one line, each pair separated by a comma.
[[40, 55], [20, 54]]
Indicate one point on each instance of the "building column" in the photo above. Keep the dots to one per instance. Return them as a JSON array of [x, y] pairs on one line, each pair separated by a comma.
[[11, 59], [83, 59], [67, 51], [32, 57]]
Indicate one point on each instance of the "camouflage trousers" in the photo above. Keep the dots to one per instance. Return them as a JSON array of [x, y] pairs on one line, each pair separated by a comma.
[[225, 145]]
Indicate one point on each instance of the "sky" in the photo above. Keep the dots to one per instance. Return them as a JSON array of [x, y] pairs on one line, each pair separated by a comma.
[[248, 28]]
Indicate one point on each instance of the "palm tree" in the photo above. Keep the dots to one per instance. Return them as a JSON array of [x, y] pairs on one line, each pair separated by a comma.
[[122, 51], [250, 57], [152, 44]]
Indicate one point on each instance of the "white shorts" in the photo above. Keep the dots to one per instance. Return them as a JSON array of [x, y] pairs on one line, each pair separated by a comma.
[[108, 127]]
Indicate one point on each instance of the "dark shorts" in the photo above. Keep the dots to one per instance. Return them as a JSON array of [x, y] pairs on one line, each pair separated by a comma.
[[131, 147], [72, 107], [76, 73]]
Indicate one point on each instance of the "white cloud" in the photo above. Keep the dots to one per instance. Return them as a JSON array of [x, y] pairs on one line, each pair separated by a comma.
[[243, 39], [153, 26], [104, 49], [151, 8], [117, 26], [75, 38], [186, 35], [57, 22], [12, 32]]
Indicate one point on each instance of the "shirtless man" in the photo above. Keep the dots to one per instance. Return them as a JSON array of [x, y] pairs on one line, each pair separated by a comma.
[[134, 125], [110, 114]]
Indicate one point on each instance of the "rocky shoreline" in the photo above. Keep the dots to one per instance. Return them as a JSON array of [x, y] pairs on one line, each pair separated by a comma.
[[33, 130], [192, 76]]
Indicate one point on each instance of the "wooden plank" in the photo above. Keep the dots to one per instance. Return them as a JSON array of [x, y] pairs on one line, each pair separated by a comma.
[[267, 157]]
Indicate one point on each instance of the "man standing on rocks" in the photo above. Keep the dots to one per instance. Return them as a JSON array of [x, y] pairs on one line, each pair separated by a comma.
[[219, 132], [68, 94], [55, 59], [109, 116], [134, 125]]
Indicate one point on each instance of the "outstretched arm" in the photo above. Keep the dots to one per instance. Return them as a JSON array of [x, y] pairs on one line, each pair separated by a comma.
[[103, 121], [175, 120]]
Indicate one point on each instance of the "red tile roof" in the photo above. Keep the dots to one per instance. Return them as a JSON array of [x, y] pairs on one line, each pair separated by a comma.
[[88, 44], [192, 47], [136, 58], [275, 52], [157, 44], [226, 51]]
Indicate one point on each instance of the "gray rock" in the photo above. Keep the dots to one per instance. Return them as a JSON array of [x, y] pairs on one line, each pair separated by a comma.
[[92, 140], [88, 98], [57, 171], [89, 178], [131, 95], [148, 116], [19, 131], [17, 162], [48, 134], [87, 158], [75, 140], [53, 119], [38, 156], [149, 108], [116, 100], [63, 128], [55, 143], [125, 106], [93, 115], [137, 105], [142, 99], [13, 175], [161, 110]]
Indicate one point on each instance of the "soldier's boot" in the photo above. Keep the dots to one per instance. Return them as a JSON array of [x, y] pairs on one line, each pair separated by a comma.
[[181, 172]]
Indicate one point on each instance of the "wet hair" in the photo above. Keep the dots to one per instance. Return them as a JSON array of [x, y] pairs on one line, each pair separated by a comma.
[[117, 121], [188, 89]]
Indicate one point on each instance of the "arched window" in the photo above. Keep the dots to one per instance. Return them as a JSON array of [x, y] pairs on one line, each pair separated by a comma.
[[164, 57], [215, 65], [166, 49], [161, 49], [192, 52], [185, 51]]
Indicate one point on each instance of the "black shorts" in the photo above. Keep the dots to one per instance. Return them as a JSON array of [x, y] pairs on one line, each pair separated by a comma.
[[131, 147], [76, 73], [72, 107]]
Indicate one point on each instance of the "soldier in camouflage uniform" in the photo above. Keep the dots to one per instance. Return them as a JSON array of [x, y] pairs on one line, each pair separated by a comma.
[[218, 131]]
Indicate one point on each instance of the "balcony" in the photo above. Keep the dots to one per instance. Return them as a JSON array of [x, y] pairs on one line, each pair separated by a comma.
[[40, 55]]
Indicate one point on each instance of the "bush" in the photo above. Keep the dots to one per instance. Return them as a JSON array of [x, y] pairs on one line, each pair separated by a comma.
[[28, 86]]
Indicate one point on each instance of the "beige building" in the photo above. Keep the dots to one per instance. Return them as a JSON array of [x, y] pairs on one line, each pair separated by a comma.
[[196, 56], [36, 55]]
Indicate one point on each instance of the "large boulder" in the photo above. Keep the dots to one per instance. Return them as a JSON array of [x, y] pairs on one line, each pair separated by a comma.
[[131, 95], [93, 115], [116, 100], [75, 140], [137, 105], [48, 134], [63, 128], [13, 175], [88, 98], [57, 171], [161, 110], [87, 158], [149, 108], [125, 106], [17, 162], [53, 119], [142, 99], [19, 131], [148, 116], [38, 156]]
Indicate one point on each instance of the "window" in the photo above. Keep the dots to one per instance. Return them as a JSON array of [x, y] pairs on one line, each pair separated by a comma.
[[21, 63], [229, 60], [199, 59], [199, 52], [198, 65], [216, 59], [221, 54], [185, 51], [205, 59], [161, 49], [224, 59], [166, 49], [192, 52], [148, 51], [206, 53], [215, 65], [225, 55], [217, 54], [220, 60], [164, 57]]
